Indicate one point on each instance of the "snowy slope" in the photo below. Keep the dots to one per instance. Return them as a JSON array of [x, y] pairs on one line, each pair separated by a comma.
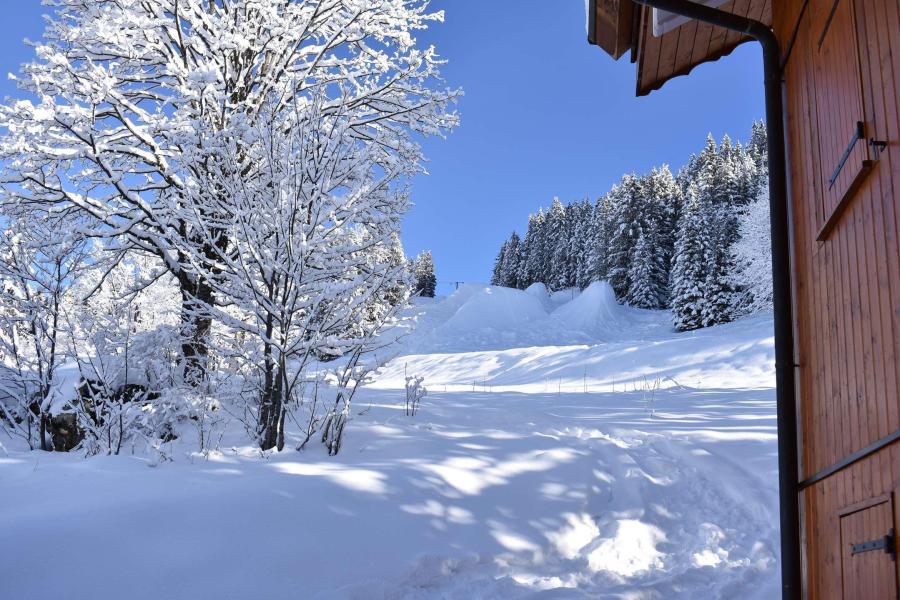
[[545, 463]]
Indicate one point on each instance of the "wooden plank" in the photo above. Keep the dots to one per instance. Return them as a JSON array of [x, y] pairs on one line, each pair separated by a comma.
[[687, 40], [648, 58], [700, 48], [876, 283], [665, 66], [740, 8]]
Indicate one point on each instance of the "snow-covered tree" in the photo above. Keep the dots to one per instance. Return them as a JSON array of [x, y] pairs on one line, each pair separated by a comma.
[[40, 260], [714, 186], [648, 274], [752, 274], [689, 272], [507, 264], [533, 263], [423, 269], [628, 220], [499, 271], [758, 148], [145, 115], [558, 265], [511, 261], [601, 233], [310, 263]]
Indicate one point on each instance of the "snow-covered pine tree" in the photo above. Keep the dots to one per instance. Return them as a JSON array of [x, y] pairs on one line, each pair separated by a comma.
[[500, 266], [395, 258], [747, 180], [509, 275], [599, 241], [532, 265], [648, 274], [580, 244], [557, 243], [662, 198], [426, 282], [716, 189], [628, 220], [689, 270], [758, 148]]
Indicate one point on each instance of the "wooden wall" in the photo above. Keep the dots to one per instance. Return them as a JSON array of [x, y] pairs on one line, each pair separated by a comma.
[[844, 67]]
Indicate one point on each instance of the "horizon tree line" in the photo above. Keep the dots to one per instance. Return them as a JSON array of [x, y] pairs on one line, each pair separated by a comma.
[[695, 242]]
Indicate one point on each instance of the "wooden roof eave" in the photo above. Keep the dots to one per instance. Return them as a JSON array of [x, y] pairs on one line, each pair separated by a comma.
[[619, 25]]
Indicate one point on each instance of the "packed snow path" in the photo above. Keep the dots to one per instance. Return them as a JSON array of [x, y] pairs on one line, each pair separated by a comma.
[[552, 470]]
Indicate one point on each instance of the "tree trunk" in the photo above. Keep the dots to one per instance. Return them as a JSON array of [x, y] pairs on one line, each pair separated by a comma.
[[196, 328], [44, 445], [272, 414]]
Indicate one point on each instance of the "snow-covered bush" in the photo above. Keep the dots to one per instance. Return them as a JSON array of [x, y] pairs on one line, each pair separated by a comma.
[[415, 391], [347, 382], [124, 342]]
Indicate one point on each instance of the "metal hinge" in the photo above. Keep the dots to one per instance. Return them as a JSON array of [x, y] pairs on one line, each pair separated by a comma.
[[888, 543]]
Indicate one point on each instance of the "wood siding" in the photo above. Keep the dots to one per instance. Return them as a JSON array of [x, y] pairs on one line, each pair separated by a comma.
[[847, 278]]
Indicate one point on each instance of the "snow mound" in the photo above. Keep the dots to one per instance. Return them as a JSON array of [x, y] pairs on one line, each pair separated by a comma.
[[540, 291], [497, 308], [479, 317], [596, 312]]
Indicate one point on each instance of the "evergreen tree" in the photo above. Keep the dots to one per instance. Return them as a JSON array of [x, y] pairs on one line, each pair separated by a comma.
[[396, 258], [532, 261], [648, 274], [557, 244], [627, 223], [580, 244], [601, 228], [758, 147], [689, 273], [716, 190], [662, 198], [499, 265], [509, 274], [423, 268]]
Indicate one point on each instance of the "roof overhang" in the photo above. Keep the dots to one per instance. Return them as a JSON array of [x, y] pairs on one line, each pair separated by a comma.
[[665, 45], [610, 25]]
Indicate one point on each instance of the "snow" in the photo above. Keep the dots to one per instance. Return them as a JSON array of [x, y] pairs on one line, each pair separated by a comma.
[[566, 448]]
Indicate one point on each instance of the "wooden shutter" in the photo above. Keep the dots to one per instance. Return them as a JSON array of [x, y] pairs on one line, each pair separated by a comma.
[[868, 550], [842, 127]]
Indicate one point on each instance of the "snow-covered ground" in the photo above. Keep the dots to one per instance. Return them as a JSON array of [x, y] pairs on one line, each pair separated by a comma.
[[568, 448]]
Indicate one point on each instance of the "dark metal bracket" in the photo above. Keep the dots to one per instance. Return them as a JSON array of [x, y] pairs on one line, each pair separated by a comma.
[[878, 146], [888, 543], [859, 135]]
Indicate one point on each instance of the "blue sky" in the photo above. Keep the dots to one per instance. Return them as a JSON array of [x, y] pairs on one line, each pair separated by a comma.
[[544, 115]]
